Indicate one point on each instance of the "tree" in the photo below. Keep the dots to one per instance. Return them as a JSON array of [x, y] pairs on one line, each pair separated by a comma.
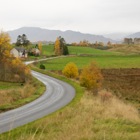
[[60, 47], [109, 44], [22, 40], [19, 40], [9, 66], [5, 46], [25, 40], [40, 47], [57, 47], [91, 77], [84, 43], [71, 70], [20, 69]]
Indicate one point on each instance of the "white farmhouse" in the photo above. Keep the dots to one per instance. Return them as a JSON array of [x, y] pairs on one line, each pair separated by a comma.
[[19, 52]]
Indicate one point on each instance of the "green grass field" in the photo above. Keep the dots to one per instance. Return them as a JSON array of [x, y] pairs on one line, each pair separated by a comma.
[[84, 55], [102, 62], [76, 50], [48, 50]]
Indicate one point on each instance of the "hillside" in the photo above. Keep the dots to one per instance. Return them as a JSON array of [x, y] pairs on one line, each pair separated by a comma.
[[38, 34], [117, 36], [135, 35]]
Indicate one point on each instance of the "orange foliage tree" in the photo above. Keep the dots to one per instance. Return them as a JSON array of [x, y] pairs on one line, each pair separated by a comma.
[[71, 70], [60, 47], [40, 47], [91, 77], [11, 69], [57, 48], [20, 71], [5, 46]]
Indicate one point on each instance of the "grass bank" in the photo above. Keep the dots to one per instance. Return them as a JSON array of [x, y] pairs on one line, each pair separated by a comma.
[[13, 95], [91, 118]]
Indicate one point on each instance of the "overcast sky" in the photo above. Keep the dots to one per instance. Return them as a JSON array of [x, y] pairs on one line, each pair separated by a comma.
[[87, 16]]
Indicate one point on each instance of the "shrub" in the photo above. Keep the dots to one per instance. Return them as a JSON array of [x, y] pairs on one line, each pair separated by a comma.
[[91, 77], [71, 70], [42, 66]]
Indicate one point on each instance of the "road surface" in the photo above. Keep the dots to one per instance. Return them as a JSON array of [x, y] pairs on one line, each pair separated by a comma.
[[57, 95]]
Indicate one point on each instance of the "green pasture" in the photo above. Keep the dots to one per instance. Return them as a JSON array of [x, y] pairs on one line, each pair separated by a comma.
[[77, 50], [48, 50], [102, 62]]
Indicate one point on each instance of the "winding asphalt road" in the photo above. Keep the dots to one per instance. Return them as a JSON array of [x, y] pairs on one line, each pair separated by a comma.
[[57, 95]]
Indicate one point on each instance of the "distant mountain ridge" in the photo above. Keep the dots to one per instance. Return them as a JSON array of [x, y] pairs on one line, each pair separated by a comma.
[[117, 36], [38, 34], [135, 35]]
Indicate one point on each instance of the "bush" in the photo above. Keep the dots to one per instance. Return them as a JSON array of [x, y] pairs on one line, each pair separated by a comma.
[[71, 70], [42, 66], [91, 77]]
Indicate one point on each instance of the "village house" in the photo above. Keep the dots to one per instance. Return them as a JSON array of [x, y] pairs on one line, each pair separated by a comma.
[[34, 52], [19, 52], [131, 41]]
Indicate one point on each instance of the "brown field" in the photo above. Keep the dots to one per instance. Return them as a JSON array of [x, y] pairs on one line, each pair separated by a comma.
[[125, 83]]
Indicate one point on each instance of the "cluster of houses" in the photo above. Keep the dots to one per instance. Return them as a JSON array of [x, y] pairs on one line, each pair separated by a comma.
[[131, 41], [21, 52]]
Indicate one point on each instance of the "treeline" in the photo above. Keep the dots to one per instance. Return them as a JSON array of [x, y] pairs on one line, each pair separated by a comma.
[[11, 69], [97, 45]]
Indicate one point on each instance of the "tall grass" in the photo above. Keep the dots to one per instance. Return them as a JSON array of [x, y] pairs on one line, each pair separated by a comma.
[[90, 119], [17, 94], [126, 49]]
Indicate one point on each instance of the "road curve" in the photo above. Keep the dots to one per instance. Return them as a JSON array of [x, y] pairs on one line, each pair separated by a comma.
[[57, 95]]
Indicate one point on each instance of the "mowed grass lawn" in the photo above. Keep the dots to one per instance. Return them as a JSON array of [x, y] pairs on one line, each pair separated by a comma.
[[102, 62]]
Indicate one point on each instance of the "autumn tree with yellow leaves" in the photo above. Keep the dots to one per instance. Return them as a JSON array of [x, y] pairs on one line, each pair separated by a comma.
[[71, 70], [60, 47], [40, 47], [11, 69], [57, 48], [91, 77], [5, 46]]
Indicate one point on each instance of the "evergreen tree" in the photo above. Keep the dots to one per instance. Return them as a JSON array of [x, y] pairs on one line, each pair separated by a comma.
[[22, 40]]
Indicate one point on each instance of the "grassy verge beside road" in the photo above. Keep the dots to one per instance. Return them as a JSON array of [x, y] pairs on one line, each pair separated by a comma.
[[13, 95]]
